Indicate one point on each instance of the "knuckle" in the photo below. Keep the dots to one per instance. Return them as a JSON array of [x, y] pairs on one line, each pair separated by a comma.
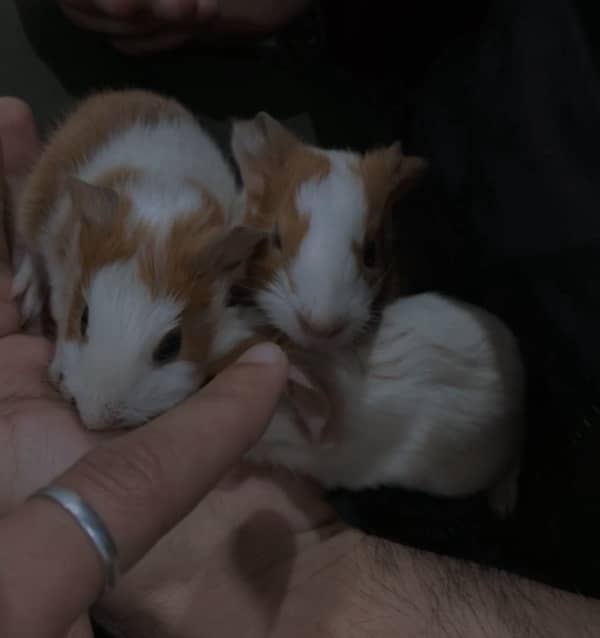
[[237, 406], [128, 477]]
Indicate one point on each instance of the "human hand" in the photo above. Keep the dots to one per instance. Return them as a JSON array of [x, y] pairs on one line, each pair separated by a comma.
[[141, 483], [147, 26], [260, 556], [259, 529], [39, 434]]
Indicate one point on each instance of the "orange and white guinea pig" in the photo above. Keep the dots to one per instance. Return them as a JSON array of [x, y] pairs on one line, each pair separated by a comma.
[[431, 401], [320, 275], [129, 217]]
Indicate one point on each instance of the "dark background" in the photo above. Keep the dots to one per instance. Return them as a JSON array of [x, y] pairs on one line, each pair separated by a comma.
[[504, 101]]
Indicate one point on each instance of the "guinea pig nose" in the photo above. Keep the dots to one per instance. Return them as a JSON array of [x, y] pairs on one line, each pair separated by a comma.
[[322, 329]]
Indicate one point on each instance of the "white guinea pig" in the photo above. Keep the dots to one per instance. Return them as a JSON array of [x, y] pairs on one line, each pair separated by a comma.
[[433, 403], [321, 273], [129, 217]]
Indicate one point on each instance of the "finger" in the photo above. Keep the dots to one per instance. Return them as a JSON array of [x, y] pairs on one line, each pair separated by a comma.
[[10, 320], [114, 8], [19, 146], [20, 142], [19, 136], [93, 21], [141, 485], [4, 225], [147, 19]]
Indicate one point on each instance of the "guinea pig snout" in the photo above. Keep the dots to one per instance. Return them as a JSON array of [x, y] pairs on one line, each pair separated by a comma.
[[105, 418], [321, 328]]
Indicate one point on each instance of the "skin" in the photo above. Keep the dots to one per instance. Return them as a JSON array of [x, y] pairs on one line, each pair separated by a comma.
[[258, 554], [140, 27]]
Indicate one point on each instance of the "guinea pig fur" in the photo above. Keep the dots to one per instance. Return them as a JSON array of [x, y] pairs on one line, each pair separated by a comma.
[[130, 216], [432, 403], [317, 279]]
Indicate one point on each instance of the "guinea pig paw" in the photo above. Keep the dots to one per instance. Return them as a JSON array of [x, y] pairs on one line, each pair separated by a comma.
[[55, 374], [26, 285], [31, 307], [23, 277]]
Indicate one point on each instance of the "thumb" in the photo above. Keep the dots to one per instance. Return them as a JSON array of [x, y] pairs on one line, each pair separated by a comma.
[[140, 484]]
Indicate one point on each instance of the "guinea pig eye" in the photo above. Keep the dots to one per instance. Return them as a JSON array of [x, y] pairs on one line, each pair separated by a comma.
[[168, 348], [369, 253], [277, 239], [83, 324]]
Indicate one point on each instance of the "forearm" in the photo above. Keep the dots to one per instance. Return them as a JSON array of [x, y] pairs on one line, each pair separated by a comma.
[[403, 592]]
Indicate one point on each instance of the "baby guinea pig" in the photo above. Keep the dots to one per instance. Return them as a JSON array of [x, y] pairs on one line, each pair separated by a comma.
[[431, 400], [318, 278], [129, 218]]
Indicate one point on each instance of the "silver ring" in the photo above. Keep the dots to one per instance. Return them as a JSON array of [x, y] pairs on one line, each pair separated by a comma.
[[93, 527]]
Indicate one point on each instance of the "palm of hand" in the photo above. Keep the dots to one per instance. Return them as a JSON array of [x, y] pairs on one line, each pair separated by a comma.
[[40, 435], [235, 566]]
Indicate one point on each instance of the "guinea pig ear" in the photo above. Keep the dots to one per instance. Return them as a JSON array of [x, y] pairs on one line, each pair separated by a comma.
[[238, 245], [259, 146], [95, 204], [405, 170], [311, 405], [388, 174]]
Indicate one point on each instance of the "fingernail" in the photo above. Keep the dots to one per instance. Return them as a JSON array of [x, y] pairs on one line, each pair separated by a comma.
[[263, 353]]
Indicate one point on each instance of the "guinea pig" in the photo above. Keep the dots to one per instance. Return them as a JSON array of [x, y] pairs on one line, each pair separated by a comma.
[[318, 278], [432, 403], [130, 218]]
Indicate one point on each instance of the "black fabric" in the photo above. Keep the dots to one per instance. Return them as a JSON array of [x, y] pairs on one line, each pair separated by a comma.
[[506, 106]]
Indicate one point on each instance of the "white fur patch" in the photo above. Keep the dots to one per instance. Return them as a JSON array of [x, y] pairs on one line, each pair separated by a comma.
[[157, 200], [111, 375], [168, 154], [323, 283], [434, 405]]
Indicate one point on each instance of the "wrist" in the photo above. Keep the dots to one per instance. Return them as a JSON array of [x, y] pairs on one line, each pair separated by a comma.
[[401, 591], [385, 596]]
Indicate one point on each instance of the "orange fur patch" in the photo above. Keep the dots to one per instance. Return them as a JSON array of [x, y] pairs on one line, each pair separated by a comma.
[[276, 207], [98, 247], [387, 174], [118, 177], [181, 268], [178, 266], [376, 169], [91, 124]]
